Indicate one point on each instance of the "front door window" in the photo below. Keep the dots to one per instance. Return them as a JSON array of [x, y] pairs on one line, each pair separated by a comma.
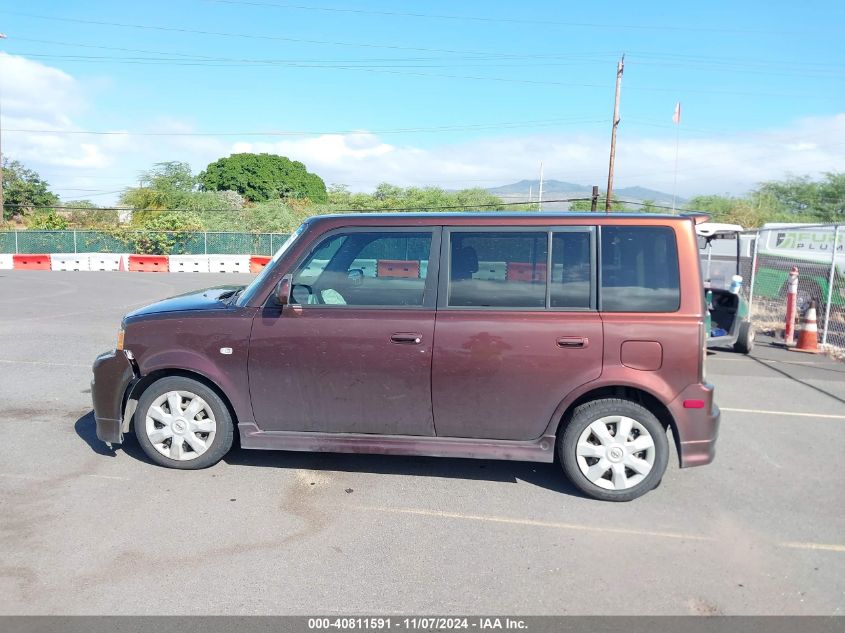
[[356, 268]]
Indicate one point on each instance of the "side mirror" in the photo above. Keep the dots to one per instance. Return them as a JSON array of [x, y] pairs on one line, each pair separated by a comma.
[[282, 293]]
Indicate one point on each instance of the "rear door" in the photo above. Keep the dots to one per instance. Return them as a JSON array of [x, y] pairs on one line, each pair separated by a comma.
[[512, 340]]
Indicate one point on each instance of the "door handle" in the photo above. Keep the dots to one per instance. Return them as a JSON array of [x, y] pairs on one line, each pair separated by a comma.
[[406, 338], [569, 342]]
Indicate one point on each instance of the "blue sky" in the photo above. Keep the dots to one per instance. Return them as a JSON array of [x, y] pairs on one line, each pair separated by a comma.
[[444, 93]]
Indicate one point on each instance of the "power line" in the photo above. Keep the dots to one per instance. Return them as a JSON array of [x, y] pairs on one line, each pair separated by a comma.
[[475, 56], [517, 63], [446, 128], [220, 62], [640, 57], [508, 20], [391, 70], [251, 36]]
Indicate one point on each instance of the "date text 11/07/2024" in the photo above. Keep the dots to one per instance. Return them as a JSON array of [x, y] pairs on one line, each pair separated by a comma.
[[416, 623]]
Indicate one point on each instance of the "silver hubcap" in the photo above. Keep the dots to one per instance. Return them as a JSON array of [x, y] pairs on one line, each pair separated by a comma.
[[180, 425], [615, 452]]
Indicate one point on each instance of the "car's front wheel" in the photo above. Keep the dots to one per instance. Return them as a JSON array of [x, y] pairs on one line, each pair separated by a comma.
[[614, 449], [182, 423]]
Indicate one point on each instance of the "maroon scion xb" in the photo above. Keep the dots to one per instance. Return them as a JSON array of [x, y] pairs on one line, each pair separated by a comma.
[[499, 336]]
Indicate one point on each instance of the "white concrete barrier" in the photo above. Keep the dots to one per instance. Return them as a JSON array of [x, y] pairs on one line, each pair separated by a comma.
[[6, 261], [188, 264], [107, 261], [70, 261], [228, 263]]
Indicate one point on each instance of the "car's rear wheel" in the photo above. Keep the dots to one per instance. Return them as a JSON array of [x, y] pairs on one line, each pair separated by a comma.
[[745, 338], [182, 423], [614, 449]]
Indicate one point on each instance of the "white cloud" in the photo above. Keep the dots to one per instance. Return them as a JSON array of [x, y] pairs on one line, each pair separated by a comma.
[[705, 164], [36, 96]]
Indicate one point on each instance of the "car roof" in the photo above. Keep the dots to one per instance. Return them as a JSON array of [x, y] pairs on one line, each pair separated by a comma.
[[501, 217]]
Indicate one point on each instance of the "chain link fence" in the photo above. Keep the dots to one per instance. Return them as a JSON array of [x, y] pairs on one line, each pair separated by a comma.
[[767, 257], [174, 242]]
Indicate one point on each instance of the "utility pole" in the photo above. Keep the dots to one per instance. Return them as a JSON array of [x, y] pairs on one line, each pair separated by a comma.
[[594, 200], [619, 70], [2, 199], [540, 195]]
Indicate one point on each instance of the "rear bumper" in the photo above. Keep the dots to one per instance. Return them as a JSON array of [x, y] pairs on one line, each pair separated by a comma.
[[697, 428], [112, 376]]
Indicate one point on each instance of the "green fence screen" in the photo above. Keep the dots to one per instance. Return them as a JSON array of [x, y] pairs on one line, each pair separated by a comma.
[[184, 243]]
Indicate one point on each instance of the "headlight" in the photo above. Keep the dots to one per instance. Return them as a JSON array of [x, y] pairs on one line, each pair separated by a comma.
[[120, 334]]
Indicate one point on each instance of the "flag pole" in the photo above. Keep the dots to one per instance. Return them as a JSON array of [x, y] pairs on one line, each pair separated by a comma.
[[676, 118]]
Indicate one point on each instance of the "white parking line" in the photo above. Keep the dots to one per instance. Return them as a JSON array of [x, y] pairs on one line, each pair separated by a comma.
[[746, 359], [827, 416], [42, 362], [439, 514], [36, 478], [534, 523]]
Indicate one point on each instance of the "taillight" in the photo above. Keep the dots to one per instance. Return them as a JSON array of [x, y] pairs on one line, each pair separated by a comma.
[[702, 339]]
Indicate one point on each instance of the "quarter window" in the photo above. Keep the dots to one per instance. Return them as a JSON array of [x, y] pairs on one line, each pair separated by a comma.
[[571, 281], [365, 269], [639, 269]]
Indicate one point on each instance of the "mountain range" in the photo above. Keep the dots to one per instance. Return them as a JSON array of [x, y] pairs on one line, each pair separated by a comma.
[[559, 189]]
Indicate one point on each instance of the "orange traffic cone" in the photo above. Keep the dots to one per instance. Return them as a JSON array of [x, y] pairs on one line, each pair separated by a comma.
[[808, 337]]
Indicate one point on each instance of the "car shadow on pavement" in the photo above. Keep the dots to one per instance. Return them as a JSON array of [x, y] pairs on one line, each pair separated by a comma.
[[548, 476], [86, 429]]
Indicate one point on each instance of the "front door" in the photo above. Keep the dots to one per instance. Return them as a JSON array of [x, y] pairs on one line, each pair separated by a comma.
[[513, 340], [352, 352]]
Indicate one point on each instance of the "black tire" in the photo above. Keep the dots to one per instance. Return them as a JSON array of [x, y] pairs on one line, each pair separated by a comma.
[[223, 433], [589, 412], [745, 338]]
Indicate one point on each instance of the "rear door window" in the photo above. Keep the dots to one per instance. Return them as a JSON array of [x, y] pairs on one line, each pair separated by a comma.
[[639, 269], [528, 269], [504, 269]]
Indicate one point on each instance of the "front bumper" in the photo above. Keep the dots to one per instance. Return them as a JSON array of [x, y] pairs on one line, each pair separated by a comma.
[[697, 428], [113, 374]]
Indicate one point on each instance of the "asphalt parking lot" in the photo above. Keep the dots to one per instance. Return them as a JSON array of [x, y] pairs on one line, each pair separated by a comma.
[[86, 530]]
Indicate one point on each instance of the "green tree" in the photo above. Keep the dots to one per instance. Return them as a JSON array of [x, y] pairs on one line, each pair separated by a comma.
[[752, 210], [47, 221], [261, 177], [24, 190], [163, 232], [586, 205], [822, 200], [387, 196], [166, 186]]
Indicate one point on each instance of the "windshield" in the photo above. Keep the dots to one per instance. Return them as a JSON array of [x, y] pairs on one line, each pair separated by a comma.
[[256, 283]]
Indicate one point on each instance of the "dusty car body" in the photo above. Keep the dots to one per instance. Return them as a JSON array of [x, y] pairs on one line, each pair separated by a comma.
[[454, 335]]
